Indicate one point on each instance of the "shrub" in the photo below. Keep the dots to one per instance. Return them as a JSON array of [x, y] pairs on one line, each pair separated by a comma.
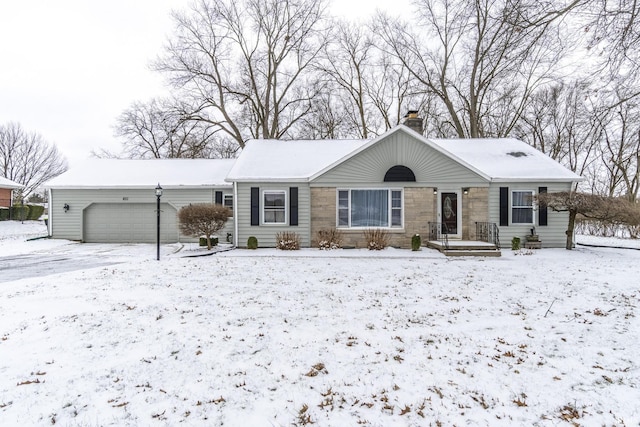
[[288, 241], [19, 212], [515, 244], [252, 242], [35, 212], [376, 238], [330, 239], [203, 241], [416, 242], [203, 219]]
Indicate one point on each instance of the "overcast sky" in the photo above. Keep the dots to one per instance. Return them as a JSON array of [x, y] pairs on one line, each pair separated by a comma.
[[68, 68]]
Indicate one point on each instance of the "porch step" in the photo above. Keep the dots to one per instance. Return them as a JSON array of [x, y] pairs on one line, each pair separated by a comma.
[[472, 252], [466, 248]]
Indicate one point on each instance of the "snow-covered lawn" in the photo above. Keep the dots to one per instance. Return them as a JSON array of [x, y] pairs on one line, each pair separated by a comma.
[[337, 338]]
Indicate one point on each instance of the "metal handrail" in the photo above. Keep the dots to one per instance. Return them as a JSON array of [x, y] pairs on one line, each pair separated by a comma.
[[488, 232], [439, 231]]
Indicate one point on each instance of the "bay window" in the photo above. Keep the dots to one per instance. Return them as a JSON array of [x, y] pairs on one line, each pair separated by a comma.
[[370, 208]]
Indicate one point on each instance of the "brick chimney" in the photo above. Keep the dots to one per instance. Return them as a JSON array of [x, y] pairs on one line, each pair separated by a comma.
[[412, 121]]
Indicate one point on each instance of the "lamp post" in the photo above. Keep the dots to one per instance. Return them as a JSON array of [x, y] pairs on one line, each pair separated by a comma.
[[158, 195]]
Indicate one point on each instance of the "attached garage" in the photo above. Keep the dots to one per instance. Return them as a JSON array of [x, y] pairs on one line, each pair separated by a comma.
[[114, 201], [129, 223]]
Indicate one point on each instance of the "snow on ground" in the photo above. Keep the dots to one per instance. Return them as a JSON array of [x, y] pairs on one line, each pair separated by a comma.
[[337, 338]]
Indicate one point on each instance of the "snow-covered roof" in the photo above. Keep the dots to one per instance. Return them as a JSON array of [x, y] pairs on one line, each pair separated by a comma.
[[112, 173], [7, 183], [270, 160], [496, 159], [506, 159]]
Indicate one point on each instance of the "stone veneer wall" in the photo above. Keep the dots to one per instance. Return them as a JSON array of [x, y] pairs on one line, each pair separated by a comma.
[[420, 206], [475, 208]]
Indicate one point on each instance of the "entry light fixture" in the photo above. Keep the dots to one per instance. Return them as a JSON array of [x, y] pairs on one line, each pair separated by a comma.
[[66, 207], [465, 190], [435, 190]]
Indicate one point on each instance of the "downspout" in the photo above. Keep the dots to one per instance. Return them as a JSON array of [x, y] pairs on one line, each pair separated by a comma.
[[49, 223], [235, 214]]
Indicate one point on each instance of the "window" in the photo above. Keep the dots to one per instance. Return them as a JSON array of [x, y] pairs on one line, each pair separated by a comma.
[[274, 211], [369, 208], [522, 207], [228, 202]]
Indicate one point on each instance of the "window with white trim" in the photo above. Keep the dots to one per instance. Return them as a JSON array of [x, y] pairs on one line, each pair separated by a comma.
[[522, 207], [274, 207], [228, 202], [364, 208]]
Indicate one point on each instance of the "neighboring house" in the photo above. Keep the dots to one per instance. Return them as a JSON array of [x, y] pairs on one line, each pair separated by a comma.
[[114, 201], [6, 191], [401, 182]]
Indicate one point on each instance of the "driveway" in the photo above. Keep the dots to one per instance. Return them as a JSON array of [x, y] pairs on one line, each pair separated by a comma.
[[73, 256], [19, 267]]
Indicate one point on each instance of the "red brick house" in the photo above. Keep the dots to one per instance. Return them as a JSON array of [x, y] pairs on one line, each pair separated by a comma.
[[6, 191]]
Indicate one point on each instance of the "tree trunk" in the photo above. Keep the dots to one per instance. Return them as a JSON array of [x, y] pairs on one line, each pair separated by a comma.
[[570, 229]]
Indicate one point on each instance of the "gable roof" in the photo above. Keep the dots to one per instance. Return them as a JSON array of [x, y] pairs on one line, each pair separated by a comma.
[[7, 183], [270, 160], [118, 173], [506, 160], [495, 159]]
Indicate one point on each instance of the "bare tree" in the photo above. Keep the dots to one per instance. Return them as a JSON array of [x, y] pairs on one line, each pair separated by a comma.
[[26, 158], [203, 219], [614, 29], [483, 59], [246, 66], [560, 121], [160, 129], [621, 148], [348, 63]]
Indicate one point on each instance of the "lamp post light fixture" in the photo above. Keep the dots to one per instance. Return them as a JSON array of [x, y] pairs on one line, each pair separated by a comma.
[[158, 195]]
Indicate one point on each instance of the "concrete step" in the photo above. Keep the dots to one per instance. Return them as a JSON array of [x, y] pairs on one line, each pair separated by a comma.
[[472, 252]]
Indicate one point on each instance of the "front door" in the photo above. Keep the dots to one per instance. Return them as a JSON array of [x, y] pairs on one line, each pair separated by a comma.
[[449, 214]]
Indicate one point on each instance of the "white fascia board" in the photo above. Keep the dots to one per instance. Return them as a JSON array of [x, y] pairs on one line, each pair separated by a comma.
[[140, 187], [268, 180], [537, 180]]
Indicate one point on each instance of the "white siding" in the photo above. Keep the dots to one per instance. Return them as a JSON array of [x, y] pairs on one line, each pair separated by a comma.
[[266, 233], [552, 235], [430, 167]]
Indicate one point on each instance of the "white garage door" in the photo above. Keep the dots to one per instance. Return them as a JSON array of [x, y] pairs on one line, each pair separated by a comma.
[[129, 223]]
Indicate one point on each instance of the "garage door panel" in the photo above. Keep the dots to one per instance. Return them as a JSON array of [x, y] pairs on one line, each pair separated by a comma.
[[129, 223]]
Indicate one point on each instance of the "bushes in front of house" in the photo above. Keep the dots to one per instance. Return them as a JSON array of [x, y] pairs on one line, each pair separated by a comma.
[[377, 239], [416, 242], [288, 241], [203, 241], [252, 242], [515, 244], [329, 239]]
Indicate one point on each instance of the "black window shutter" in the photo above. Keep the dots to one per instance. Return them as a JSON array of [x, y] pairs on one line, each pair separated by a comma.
[[218, 197], [504, 206], [255, 206], [293, 206], [542, 208]]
